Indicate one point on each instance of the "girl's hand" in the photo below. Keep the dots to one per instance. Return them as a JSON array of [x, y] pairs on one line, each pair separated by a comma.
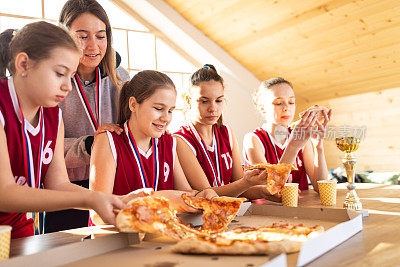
[[104, 204], [143, 192], [175, 200], [256, 177], [320, 131], [111, 127], [303, 130], [207, 193]]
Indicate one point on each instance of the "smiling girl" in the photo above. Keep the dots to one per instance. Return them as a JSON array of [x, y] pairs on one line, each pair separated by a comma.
[[42, 60], [143, 155]]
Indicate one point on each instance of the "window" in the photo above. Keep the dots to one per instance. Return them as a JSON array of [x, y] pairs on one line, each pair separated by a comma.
[[139, 48]]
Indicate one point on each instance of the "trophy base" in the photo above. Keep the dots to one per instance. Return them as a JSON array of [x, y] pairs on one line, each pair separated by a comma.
[[352, 201]]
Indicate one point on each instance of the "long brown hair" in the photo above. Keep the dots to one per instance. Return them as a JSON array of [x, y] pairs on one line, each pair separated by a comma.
[[205, 74], [73, 9], [141, 86], [36, 39]]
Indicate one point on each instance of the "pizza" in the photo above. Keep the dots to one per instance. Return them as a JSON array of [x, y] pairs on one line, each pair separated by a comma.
[[277, 174], [276, 238], [217, 212], [152, 214], [318, 110]]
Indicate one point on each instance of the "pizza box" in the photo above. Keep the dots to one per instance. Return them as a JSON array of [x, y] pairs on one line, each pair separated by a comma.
[[119, 249], [339, 225]]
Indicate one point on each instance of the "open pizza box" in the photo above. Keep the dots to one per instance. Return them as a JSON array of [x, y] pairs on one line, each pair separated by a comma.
[[120, 249]]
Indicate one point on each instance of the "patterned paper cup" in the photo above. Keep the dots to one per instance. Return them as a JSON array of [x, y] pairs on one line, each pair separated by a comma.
[[290, 194], [327, 192], [5, 236]]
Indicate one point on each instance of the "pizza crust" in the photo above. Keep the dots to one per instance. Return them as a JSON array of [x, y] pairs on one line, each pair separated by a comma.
[[295, 236], [193, 246]]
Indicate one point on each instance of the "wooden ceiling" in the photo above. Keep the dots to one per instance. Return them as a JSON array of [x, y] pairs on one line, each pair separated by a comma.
[[327, 49]]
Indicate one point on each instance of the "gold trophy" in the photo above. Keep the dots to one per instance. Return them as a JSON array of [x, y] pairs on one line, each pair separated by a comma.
[[349, 145]]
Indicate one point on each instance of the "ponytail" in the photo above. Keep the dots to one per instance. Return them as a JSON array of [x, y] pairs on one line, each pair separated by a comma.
[[124, 112], [5, 40]]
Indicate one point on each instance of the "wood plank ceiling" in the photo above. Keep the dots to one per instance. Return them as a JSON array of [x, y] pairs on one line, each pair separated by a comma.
[[327, 49]]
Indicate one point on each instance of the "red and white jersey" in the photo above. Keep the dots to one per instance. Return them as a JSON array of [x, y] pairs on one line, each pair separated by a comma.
[[10, 118], [216, 160], [128, 177], [273, 152]]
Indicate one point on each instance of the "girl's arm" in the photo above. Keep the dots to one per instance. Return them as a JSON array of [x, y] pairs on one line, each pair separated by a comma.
[[198, 180], [314, 157], [16, 198], [181, 183], [253, 149], [102, 165]]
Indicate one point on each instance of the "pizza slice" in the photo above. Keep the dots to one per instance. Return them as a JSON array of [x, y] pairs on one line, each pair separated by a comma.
[[317, 109], [217, 212], [277, 174], [276, 238], [153, 215]]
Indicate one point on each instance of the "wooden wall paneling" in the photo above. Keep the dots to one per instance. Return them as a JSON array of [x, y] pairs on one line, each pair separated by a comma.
[[379, 112]]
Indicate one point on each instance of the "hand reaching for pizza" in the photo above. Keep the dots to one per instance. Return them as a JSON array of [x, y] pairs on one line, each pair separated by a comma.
[[176, 201], [104, 205], [256, 177], [143, 192], [207, 193]]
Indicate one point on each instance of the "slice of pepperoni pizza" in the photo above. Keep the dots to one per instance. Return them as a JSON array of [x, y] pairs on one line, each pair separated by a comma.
[[153, 215], [277, 174], [217, 212]]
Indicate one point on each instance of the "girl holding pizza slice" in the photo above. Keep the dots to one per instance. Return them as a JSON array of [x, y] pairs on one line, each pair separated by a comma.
[[41, 58], [143, 155], [207, 148], [275, 142]]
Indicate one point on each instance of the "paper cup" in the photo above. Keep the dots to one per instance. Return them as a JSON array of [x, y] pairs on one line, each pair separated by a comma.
[[290, 194], [5, 237], [327, 192]]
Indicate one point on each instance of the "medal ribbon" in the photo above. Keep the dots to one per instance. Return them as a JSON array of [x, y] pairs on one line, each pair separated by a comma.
[[216, 171], [95, 123], [32, 178], [136, 154]]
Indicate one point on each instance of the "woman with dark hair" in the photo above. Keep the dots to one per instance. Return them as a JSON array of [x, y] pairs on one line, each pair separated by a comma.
[[207, 149], [91, 107]]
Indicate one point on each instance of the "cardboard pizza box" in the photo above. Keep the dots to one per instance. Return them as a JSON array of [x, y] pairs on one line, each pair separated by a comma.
[[339, 225], [120, 249]]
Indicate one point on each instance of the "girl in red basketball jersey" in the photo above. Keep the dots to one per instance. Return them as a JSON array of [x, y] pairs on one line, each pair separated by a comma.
[[143, 155], [207, 149], [42, 59], [274, 142]]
